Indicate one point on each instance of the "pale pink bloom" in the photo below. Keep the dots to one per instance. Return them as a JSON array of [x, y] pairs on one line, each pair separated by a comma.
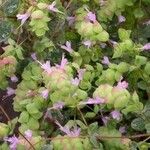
[[121, 19], [116, 115], [81, 73], [147, 22], [122, 84], [58, 105], [146, 46], [105, 120], [67, 47], [75, 81], [23, 17], [52, 7], [91, 17], [94, 101], [46, 66], [28, 134], [113, 42], [72, 133], [10, 91], [122, 129], [45, 93], [87, 43], [70, 20], [105, 60], [14, 78], [33, 56], [13, 142]]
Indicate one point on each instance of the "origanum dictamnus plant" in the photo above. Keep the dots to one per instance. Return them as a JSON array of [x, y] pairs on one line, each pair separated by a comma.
[[78, 72]]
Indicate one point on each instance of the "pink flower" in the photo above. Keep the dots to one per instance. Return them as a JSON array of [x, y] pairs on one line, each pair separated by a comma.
[[45, 93], [70, 20], [81, 73], [103, 45], [146, 46], [87, 43], [147, 22], [122, 129], [33, 56], [91, 17], [28, 134], [64, 62], [75, 81], [105, 120], [46, 66], [13, 142], [94, 101], [14, 79], [122, 84], [105, 60], [72, 133], [121, 19], [58, 105], [10, 91], [52, 7], [67, 47], [23, 17], [113, 42], [116, 115]]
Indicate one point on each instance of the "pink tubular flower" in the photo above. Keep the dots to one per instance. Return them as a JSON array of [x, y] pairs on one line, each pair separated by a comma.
[[67, 47], [74, 133], [116, 115], [52, 7], [46, 66], [105, 60], [13, 142], [33, 56], [75, 81], [10, 91], [70, 20], [87, 43], [121, 19], [58, 105], [14, 79], [91, 17], [94, 101], [64, 62], [122, 84], [146, 47], [28, 134], [105, 120], [81, 73], [45, 93], [23, 17]]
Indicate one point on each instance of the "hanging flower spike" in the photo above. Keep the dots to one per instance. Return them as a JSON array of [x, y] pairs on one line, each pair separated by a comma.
[[73, 133], [46, 66], [116, 115], [13, 142], [75, 81], [28, 134], [122, 84], [45, 93], [70, 20], [67, 47], [23, 17], [146, 47], [33, 56], [91, 17], [105, 60], [10, 91], [121, 19], [58, 105], [81, 73], [52, 7], [14, 79], [87, 43], [92, 101], [122, 129]]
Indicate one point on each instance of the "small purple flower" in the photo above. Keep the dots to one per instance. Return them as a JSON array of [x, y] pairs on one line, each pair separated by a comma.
[[14, 78], [75, 81], [45, 93], [116, 115], [87, 43], [33, 56], [67, 47], [46, 66], [13, 142], [146, 47], [91, 17], [122, 129], [105, 60], [23, 17], [10, 91], [64, 62], [113, 42], [81, 73], [72, 133], [58, 105], [105, 120], [28, 134], [121, 19], [122, 84], [94, 101], [70, 20], [52, 7]]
